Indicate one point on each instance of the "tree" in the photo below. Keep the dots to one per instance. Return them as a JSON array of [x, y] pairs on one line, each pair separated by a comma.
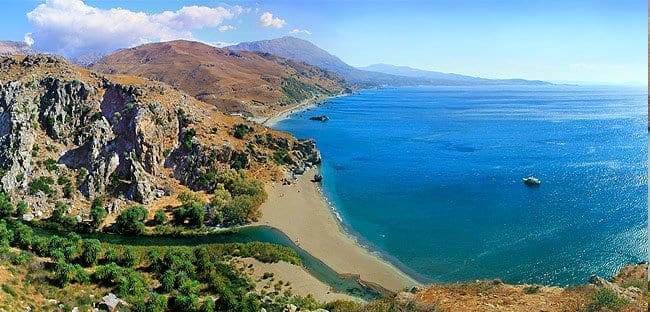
[[187, 303], [157, 303], [64, 273], [21, 208], [5, 234], [131, 220], [129, 257], [168, 281], [91, 250], [159, 217], [6, 208], [97, 211], [208, 305], [192, 209]]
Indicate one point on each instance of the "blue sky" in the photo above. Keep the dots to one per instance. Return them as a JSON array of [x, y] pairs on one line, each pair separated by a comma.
[[589, 41]]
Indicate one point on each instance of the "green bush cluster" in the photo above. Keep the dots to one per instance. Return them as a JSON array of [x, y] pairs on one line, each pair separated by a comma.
[[43, 184], [241, 130]]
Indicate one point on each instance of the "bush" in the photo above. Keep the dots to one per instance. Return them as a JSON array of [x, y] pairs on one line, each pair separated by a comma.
[[188, 139], [50, 164], [42, 184], [6, 208], [21, 208], [191, 210], [159, 217], [241, 130], [131, 220], [605, 298], [91, 251]]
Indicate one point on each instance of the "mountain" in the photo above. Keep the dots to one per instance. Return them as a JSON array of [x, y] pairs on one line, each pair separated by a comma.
[[371, 76], [14, 47], [447, 77], [86, 59], [250, 83], [305, 51]]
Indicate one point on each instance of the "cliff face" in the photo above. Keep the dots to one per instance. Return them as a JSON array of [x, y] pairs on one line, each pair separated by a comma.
[[248, 83], [123, 138]]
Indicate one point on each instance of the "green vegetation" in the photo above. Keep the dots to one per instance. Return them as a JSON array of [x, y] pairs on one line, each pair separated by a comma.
[[50, 164], [188, 139], [241, 130], [160, 217], [281, 157], [606, 299], [131, 220], [42, 184], [97, 212], [191, 211], [6, 208]]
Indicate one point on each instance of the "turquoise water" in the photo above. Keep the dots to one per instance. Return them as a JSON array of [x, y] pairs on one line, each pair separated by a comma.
[[431, 177]]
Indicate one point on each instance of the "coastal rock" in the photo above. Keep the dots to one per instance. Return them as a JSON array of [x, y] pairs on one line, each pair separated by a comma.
[[320, 118]]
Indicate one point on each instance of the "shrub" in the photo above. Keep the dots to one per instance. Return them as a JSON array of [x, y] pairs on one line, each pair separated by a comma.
[[191, 210], [241, 130], [91, 251], [50, 164], [159, 217], [188, 139], [605, 298], [42, 184], [131, 220], [21, 208], [6, 208]]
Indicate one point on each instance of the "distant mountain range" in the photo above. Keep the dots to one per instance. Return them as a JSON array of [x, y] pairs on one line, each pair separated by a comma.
[[305, 51], [14, 47], [450, 77], [374, 75]]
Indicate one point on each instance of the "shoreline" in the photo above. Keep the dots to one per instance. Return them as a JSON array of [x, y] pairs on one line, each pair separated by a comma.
[[300, 107], [302, 213]]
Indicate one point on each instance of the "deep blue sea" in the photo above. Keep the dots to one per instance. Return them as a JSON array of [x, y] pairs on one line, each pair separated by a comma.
[[432, 178]]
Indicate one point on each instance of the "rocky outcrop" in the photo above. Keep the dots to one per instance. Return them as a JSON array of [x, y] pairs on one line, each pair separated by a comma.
[[122, 139]]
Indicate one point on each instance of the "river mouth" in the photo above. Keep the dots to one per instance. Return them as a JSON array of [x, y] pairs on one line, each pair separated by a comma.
[[347, 284]]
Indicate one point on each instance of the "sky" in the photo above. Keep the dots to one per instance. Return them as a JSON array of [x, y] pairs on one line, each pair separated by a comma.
[[554, 40]]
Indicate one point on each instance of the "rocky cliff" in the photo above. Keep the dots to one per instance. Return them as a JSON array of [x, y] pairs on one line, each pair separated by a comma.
[[69, 134]]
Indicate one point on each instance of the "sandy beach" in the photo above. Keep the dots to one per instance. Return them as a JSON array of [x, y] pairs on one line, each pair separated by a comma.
[[281, 115], [300, 211], [301, 282]]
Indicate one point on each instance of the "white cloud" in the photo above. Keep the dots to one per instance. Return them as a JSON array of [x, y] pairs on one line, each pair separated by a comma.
[[267, 20], [71, 28], [300, 31], [28, 39], [220, 44], [226, 28]]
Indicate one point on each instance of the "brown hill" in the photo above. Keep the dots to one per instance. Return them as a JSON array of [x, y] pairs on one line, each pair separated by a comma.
[[254, 84]]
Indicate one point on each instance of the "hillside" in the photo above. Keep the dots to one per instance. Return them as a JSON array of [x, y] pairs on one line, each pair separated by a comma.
[[14, 47], [447, 78], [69, 135], [252, 84], [371, 76]]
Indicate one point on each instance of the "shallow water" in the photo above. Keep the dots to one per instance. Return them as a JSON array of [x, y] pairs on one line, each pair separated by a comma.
[[431, 177]]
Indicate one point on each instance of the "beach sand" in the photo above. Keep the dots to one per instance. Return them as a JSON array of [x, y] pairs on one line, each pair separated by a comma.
[[301, 282], [300, 211]]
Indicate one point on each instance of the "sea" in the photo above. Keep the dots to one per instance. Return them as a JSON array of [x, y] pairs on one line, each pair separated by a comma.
[[430, 178]]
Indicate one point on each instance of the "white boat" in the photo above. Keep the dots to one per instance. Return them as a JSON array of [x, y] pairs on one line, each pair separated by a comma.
[[531, 180]]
